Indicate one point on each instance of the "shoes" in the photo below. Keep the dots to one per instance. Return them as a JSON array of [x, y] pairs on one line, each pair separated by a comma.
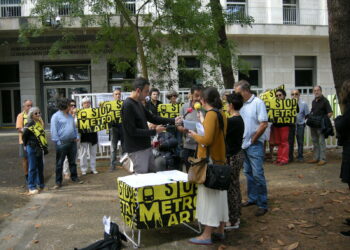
[[321, 163], [40, 189], [261, 211], [83, 173], [247, 204], [230, 226], [32, 192], [275, 162], [57, 186], [218, 236], [282, 163], [196, 241], [345, 233], [312, 161], [94, 171], [78, 181]]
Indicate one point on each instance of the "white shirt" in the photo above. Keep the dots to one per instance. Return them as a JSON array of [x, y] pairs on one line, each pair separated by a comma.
[[253, 113]]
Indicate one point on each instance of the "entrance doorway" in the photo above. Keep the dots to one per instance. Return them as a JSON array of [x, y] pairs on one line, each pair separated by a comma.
[[10, 106], [53, 93]]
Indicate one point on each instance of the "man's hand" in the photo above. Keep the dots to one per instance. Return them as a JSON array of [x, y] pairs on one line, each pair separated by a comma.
[[160, 129], [178, 120]]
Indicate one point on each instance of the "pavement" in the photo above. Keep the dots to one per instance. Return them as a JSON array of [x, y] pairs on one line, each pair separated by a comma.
[[72, 216]]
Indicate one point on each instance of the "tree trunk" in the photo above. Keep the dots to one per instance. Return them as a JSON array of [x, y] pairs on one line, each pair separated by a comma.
[[339, 42], [139, 43], [223, 46]]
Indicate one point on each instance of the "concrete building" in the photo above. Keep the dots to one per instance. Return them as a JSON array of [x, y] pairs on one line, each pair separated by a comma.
[[287, 44]]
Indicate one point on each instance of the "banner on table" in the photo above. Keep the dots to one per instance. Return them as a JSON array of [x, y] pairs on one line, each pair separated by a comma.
[[280, 111], [97, 119], [157, 206], [169, 110]]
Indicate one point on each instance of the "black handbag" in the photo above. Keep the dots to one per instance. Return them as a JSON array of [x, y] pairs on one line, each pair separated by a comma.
[[218, 176], [314, 121]]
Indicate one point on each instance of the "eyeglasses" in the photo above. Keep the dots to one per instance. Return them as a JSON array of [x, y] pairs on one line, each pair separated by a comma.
[[295, 94], [280, 95], [73, 105], [37, 113]]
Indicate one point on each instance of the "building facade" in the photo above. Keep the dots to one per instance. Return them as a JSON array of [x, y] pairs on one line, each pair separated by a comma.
[[286, 44]]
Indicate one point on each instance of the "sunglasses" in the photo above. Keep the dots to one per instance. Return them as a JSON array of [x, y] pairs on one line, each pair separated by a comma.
[[279, 95], [37, 113], [295, 94], [73, 105]]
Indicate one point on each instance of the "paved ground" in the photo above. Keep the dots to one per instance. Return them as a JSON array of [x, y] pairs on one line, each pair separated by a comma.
[[307, 206]]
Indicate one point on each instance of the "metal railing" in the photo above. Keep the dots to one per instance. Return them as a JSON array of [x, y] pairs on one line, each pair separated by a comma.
[[10, 8]]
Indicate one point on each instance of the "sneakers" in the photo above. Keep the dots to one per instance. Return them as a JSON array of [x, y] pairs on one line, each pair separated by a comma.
[[312, 161], [94, 171], [229, 226], [57, 186], [77, 180], [83, 172], [321, 163], [260, 212], [32, 192]]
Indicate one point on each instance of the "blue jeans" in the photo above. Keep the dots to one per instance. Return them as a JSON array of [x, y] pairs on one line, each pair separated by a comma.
[[63, 150], [297, 132], [254, 172], [35, 169]]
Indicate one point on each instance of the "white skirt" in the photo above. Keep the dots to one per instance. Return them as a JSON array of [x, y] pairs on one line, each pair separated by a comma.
[[212, 207]]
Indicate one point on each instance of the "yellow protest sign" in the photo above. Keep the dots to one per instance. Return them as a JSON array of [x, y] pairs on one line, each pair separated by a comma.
[[97, 119], [280, 111], [169, 110], [39, 132], [157, 206]]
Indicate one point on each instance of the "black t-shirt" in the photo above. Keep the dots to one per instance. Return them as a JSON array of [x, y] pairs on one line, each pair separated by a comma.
[[152, 108], [234, 137], [321, 106], [137, 135]]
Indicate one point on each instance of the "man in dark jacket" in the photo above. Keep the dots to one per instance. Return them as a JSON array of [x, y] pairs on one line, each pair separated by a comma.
[[137, 135], [320, 107]]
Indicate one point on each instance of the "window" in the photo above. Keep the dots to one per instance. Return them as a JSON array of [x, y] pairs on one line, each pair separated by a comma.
[[190, 71], [236, 9], [9, 73], [129, 5], [253, 76], [126, 71], [290, 12], [64, 9], [305, 71], [66, 73], [10, 8]]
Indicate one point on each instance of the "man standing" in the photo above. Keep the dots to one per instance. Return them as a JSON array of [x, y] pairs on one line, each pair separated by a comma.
[[298, 128], [152, 104], [137, 135], [255, 119], [116, 133], [65, 135], [320, 108], [88, 143], [20, 122], [189, 113]]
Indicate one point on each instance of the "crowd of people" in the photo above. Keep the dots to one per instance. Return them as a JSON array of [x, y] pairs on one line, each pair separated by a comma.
[[237, 137]]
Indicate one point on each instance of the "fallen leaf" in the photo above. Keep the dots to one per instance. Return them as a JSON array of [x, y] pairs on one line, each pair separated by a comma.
[[263, 228], [291, 226], [307, 225], [341, 191], [221, 247], [262, 221], [300, 176], [281, 243], [332, 233], [344, 198], [298, 222], [331, 218], [311, 200], [8, 237], [296, 193], [35, 241], [5, 215], [304, 232], [326, 224], [292, 246], [37, 226], [312, 236], [34, 208], [347, 210], [338, 201], [275, 209], [69, 204], [261, 240], [324, 193]]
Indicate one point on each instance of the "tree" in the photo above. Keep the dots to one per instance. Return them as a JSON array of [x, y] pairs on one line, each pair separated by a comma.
[[339, 41]]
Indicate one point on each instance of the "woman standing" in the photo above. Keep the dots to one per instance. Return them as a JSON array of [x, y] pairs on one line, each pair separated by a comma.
[[280, 134], [34, 139], [235, 157], [212, 208]]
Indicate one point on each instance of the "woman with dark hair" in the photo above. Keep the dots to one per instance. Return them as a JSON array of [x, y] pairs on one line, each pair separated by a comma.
[[235, 157], [343, 135], [279, 135], [35, 143], [212, 208]]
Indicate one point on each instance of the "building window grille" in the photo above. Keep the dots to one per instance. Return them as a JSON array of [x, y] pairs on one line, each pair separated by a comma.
[[305, 71], [253, 76], [64, 9], [236, 9], [190, 71], [290, 12], [10, 8]]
